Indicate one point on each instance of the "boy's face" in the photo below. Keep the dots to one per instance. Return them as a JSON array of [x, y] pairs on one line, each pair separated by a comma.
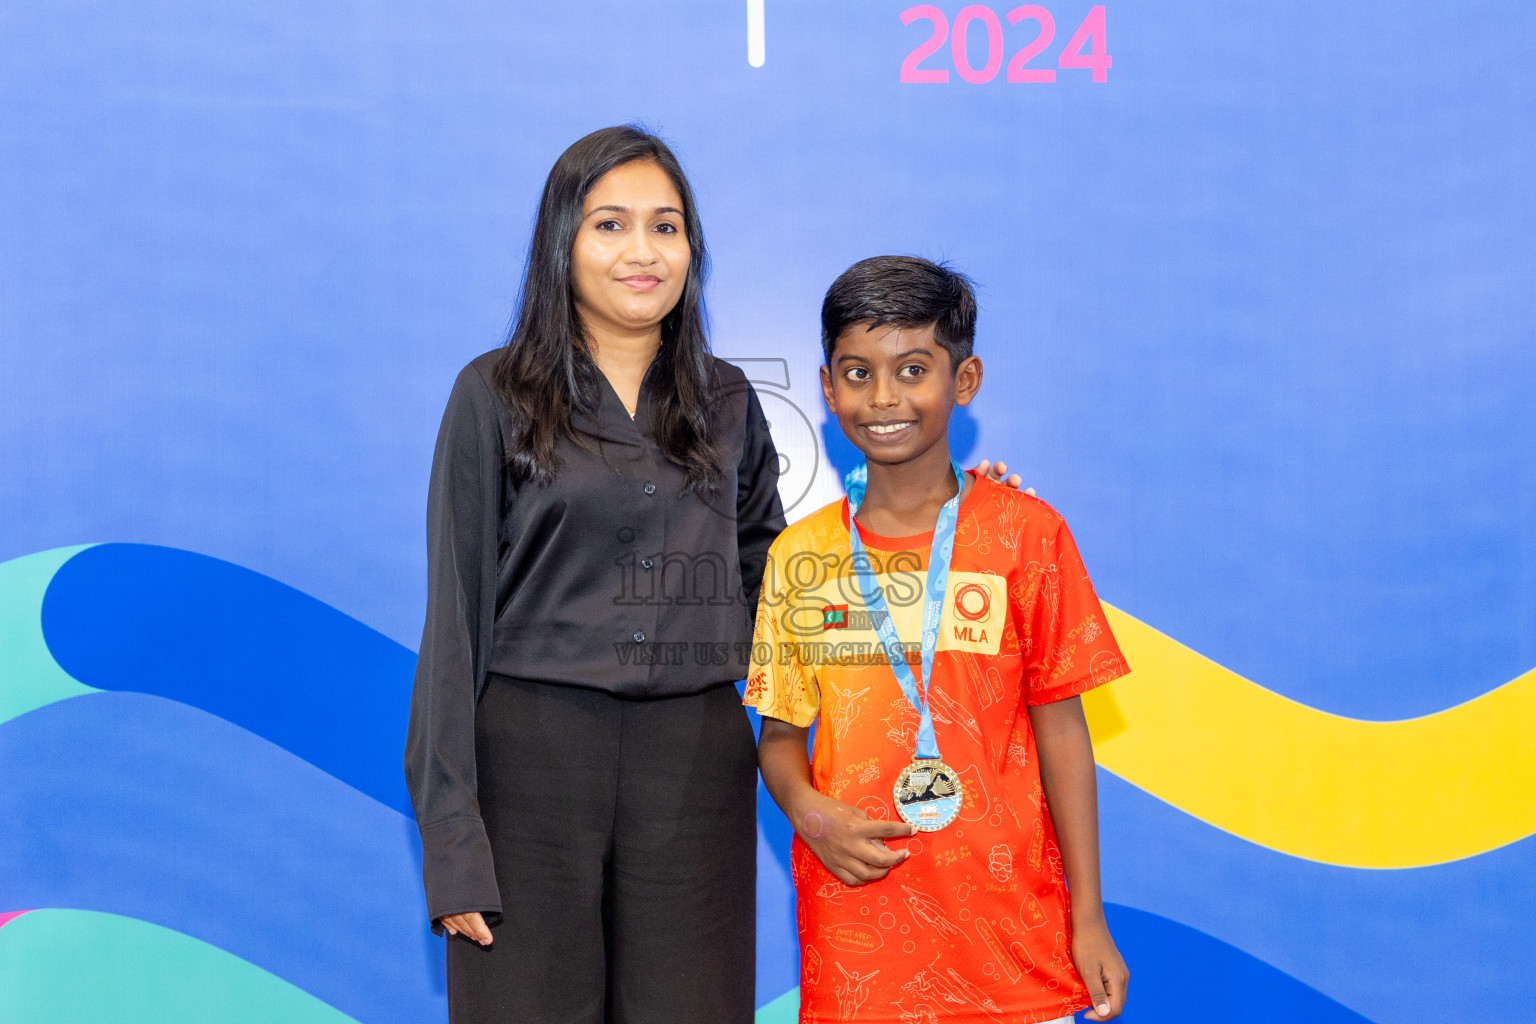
[[892, 390]]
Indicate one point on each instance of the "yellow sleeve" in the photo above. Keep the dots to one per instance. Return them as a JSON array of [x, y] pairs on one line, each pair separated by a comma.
[[779, 684]]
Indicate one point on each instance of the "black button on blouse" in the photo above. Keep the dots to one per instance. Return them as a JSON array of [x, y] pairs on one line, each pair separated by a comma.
[[574, 584]]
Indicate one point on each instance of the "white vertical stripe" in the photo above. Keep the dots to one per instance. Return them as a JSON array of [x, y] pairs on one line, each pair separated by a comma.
[[756, 47]]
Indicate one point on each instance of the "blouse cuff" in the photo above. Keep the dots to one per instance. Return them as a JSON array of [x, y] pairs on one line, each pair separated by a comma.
[[458, 870]]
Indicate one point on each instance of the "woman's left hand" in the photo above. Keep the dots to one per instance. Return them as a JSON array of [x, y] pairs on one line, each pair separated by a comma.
[[999, 471]]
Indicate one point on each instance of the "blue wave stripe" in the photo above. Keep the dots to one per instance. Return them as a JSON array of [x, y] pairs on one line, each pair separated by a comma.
[[138, 806], [778, 952], [1180, 975], [1339, 930], [237, 644]]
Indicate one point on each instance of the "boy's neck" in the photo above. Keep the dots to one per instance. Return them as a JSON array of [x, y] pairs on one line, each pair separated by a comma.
[[904, 499]]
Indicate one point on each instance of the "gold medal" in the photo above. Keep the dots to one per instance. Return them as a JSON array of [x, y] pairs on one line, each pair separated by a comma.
[[928, 794]]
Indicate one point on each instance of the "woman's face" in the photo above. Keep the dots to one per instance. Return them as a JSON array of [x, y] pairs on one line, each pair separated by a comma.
[[630, 259]]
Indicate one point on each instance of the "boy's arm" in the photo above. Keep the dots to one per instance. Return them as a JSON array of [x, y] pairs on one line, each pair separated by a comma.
[[1071, 792], [849, 842]]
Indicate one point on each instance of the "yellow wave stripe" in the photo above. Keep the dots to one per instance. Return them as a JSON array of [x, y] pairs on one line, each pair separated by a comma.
[[1343, 791]]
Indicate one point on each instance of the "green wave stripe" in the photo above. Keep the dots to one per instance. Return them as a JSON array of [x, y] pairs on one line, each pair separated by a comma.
[[85, 967], [29, 677]]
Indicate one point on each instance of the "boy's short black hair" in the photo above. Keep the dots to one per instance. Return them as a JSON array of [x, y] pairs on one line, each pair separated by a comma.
[[902, 291]]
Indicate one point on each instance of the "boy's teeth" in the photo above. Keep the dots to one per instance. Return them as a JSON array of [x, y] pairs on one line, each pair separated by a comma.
[[889, 429]]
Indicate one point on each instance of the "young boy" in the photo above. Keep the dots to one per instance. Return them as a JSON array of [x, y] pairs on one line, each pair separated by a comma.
[[951, 801]]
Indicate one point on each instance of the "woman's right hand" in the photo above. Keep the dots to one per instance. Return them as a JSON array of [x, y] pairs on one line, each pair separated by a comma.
[[471, 925], [848, 841]]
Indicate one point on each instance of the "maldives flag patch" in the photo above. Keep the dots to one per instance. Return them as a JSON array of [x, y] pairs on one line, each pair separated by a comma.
[[834, 616]]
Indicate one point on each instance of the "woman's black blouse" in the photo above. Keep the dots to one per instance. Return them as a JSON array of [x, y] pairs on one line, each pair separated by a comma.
[[610, 578]]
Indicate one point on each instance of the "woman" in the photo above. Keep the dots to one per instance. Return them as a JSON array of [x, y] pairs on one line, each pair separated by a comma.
[[603, 495]]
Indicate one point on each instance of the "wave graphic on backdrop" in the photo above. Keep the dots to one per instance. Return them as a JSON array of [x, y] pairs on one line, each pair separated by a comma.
[[29, 677], [1421, 791], [146, 808], [199, 748], [79, 965], [239, 645], [191, 813], [1182, 727]]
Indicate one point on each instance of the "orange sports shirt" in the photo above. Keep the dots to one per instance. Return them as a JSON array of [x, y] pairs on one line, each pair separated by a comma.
[[974, 926]]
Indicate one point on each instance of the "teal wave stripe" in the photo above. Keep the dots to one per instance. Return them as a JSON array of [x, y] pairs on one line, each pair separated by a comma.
[[783, 1010], [69, 966], [29, 677]]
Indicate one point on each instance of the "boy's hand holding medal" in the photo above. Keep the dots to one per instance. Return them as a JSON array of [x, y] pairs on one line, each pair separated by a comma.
[[848, 841]]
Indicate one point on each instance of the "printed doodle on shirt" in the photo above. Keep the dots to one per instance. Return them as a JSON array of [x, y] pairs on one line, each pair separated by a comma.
[[852, 937], [852, 992]]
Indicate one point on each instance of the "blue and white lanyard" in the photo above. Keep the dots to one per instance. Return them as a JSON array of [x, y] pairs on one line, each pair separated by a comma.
[[933, 600]]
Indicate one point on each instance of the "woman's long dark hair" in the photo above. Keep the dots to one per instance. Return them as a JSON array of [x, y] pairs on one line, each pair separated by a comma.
[[546, 372]]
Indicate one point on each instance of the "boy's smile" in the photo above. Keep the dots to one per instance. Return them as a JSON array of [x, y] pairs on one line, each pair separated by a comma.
[[892, 391]]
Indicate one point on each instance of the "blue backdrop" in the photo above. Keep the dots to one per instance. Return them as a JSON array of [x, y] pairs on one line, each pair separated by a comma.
[[1256, 317]]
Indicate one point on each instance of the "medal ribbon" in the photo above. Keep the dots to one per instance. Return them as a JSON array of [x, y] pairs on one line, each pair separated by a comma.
[[939, 555]]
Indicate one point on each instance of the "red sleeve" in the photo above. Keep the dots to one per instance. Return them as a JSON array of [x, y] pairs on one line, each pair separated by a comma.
[[1068, 648]]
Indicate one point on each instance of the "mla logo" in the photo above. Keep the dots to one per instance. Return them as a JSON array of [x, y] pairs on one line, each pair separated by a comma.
[[973, 602], [976, 613]]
